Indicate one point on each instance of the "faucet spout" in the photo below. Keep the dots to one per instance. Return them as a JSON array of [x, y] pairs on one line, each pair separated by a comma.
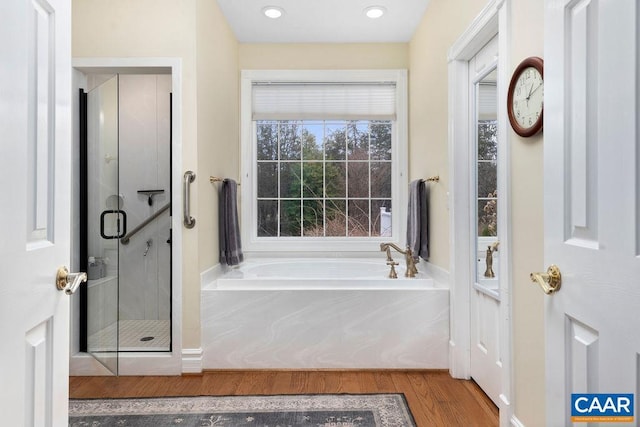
[[411, 270]]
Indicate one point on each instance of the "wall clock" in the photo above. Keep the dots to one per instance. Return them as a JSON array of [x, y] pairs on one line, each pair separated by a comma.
[[525, 97]]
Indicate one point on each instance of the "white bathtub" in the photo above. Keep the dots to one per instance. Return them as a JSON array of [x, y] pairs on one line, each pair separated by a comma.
[[319, 273], [309, 313]]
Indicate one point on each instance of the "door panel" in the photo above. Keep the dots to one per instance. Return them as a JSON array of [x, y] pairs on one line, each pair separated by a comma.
[[485, 358], [591, 221], [35, 118], [581, 122]]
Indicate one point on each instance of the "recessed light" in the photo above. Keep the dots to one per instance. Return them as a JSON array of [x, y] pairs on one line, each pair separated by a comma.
[[273, 12], [375, 12]]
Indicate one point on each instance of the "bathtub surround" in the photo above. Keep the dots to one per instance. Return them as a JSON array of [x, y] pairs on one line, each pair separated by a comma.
[[417, 220], [230, 245], [323, 313]]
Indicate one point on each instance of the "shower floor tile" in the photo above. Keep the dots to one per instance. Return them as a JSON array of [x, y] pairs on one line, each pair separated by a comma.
[[133, 336]]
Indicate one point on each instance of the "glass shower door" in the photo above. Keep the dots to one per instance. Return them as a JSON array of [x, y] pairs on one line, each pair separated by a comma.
[[106, 222]]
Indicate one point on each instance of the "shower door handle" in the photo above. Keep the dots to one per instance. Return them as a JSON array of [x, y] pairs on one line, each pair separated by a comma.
[[189, 221], [121, 226]]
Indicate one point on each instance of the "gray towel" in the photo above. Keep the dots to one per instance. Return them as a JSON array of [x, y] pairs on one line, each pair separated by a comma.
[[229, 233], [417, 231]]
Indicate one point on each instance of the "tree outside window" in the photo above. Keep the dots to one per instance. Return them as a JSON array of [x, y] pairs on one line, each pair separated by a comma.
[[487, 191], [323, 178]]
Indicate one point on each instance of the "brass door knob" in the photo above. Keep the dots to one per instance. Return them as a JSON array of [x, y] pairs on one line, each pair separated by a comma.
[[550, 281], [69, 282]]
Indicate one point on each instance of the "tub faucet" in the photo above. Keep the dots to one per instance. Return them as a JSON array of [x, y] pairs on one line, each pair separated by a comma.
[[412, 270], [489, 259]]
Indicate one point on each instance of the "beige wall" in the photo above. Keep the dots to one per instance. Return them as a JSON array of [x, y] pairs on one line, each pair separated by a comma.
[[527, 234], [218, 137], [324, 56], [203, 41], [443, 23]]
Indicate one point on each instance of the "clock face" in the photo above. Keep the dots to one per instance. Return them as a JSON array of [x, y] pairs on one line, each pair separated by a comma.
[[527, 100]]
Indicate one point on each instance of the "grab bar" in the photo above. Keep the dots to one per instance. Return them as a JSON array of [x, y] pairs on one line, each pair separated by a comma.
[[143, 224], [189, 221]]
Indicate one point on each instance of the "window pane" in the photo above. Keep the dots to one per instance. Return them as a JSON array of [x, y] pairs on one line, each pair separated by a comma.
[[312, 140], [267, 179], [317, 190], [336, 212], [290, 176], [487, 178], [267, 140], [381, 179], [290, 135], [487, 217], [290, 218], [358, 179], [381, 217], [267, 218], [313, 218], [336, 141], [336, 179], [487, 140], [358, 140], [380, 140], [359, 218], [313, 180]]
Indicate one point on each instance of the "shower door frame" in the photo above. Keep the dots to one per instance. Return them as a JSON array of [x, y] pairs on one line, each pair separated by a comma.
[[139, 363]]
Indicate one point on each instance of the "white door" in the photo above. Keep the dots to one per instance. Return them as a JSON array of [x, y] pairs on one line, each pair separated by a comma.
[[592, 208], [485, 361], [35, 135]]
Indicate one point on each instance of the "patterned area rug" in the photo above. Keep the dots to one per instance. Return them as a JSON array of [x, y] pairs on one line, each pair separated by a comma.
[[326, 410]]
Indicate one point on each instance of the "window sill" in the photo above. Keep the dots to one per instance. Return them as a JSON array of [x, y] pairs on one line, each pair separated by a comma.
[[323, 244]]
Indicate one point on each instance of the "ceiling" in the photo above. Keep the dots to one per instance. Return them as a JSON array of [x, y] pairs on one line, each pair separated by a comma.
[[323, 21]]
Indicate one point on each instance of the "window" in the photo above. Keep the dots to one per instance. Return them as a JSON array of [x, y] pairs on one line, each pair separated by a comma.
[[324, 155], [487, 159], [323, 178]]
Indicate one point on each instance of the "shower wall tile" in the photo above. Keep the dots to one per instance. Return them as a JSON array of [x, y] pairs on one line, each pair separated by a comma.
[[301, 329], [145, 165], [102, 164]]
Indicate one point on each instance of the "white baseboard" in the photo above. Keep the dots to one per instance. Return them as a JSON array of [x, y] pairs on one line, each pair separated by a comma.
[[192, 361]]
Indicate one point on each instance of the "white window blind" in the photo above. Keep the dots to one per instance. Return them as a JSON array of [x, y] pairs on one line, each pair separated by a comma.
[[326, 101], [487, 101]]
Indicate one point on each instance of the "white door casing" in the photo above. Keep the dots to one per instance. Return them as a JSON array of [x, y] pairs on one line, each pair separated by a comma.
[[592, 215], [493, 20], [146, 363], [35, 122]]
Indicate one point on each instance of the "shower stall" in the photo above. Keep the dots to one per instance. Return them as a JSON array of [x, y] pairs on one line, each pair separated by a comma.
[[125, 193]]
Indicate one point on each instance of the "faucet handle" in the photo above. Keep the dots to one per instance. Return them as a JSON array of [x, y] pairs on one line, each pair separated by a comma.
[[392, 273]]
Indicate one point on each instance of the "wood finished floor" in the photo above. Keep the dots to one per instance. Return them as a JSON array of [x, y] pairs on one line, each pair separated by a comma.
[[435, 399]]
